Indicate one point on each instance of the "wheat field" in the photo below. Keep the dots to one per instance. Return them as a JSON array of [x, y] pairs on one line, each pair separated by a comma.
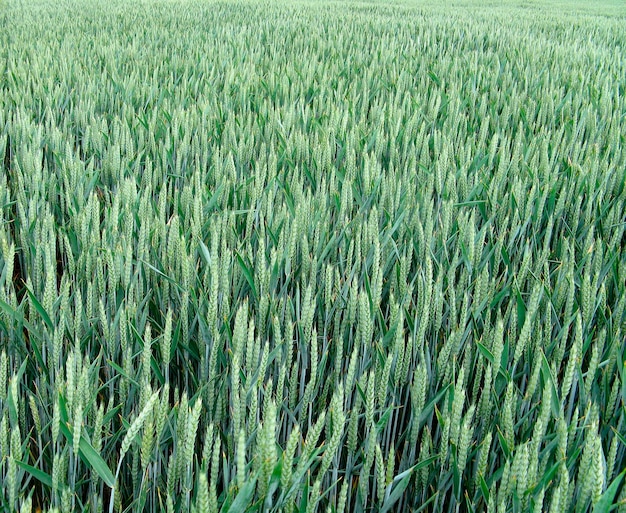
[[312, 256]]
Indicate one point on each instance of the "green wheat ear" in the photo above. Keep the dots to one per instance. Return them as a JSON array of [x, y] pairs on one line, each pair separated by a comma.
[[132, 432]]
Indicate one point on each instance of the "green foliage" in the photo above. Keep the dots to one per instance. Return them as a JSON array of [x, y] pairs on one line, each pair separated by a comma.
[[312, 257]]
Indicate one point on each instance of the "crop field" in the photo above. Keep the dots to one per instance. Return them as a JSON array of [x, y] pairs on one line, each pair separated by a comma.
[[312, 256]]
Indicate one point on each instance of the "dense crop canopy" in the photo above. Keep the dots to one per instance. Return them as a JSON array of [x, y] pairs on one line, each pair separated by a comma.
[[312, 256]]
